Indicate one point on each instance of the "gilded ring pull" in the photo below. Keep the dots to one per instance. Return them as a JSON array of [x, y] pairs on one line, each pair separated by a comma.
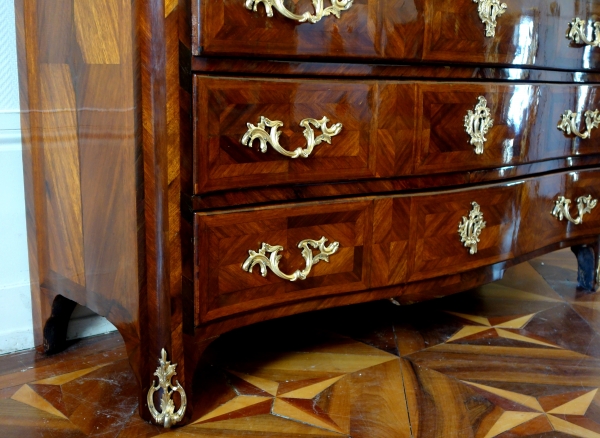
[[320, 11], [576, 32], [470, 228], [272, 137], [272, 262], [489, 10], [477, 124], [585, 204], [167, 415], [567, 123]]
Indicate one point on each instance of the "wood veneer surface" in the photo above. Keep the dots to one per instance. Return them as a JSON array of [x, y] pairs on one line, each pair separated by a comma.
[[530, 32], [390, 129], [393, 240], [107, 97], [102, 165]]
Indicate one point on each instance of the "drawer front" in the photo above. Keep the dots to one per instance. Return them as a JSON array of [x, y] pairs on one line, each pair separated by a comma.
[[523, 119], [225, 241], [417, 237], [540, 225], [376, 241], [227, 107], [388, 129], [528, 32]]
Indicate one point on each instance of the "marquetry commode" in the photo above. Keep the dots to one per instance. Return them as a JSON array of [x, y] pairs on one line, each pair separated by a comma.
[[193, 166]]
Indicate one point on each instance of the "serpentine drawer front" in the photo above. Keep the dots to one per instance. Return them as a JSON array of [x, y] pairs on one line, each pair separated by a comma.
[[519, 32], [259, 132], [538, 224], [378, 241]]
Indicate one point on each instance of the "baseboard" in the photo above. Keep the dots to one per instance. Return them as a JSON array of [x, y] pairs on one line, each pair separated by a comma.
[[16, 340]]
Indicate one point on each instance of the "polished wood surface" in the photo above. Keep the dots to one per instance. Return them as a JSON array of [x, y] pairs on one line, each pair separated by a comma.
[[224, 242], [79, 154], [537, 225], [226, 106], [140, 202], [384, 241], [530, 32], [390, 129], [435, 248], [519, 357], [102, 165]]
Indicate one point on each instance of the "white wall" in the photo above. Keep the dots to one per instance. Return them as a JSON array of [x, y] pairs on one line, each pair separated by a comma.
[[15, 309]]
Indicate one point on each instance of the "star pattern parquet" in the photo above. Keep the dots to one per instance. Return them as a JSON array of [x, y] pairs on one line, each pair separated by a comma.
[[516, 358]]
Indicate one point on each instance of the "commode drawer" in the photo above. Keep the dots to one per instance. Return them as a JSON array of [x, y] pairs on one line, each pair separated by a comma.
[[559, 207], [252, 133], [421, 236], [235, 248], [251, 259], [262, 132], [517, 32], [474, 126]]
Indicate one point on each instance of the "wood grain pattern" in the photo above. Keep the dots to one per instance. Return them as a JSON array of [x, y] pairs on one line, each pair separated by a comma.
[[61, 156], [136, 215], [82, 89], [531, 32], [97, 29], [224, 242], [537, 222], [390, 129], [225, 106], [408, 239], [435, 245], [301, 192]]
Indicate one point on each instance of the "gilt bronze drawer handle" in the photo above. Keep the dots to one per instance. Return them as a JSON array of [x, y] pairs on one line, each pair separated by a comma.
[[567, 123], [470, 228], [477, 124], [320, 11], [272, 262], [489, 10], [576, 32], [585, 204], [168, 415], [259, 132]]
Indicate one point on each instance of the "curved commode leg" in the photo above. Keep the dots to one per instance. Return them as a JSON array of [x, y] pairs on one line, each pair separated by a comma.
[[587, 267]]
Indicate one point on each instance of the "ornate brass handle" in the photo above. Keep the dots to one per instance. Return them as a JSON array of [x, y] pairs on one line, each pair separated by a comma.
[[567, 123], [489, 10], [272, 262], [320, 11], [477, 124], [259, 132], [470, 228], [585, 204], [576, 32]]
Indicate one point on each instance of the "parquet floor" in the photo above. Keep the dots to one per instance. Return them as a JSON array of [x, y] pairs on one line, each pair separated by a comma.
[[516, 358]]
